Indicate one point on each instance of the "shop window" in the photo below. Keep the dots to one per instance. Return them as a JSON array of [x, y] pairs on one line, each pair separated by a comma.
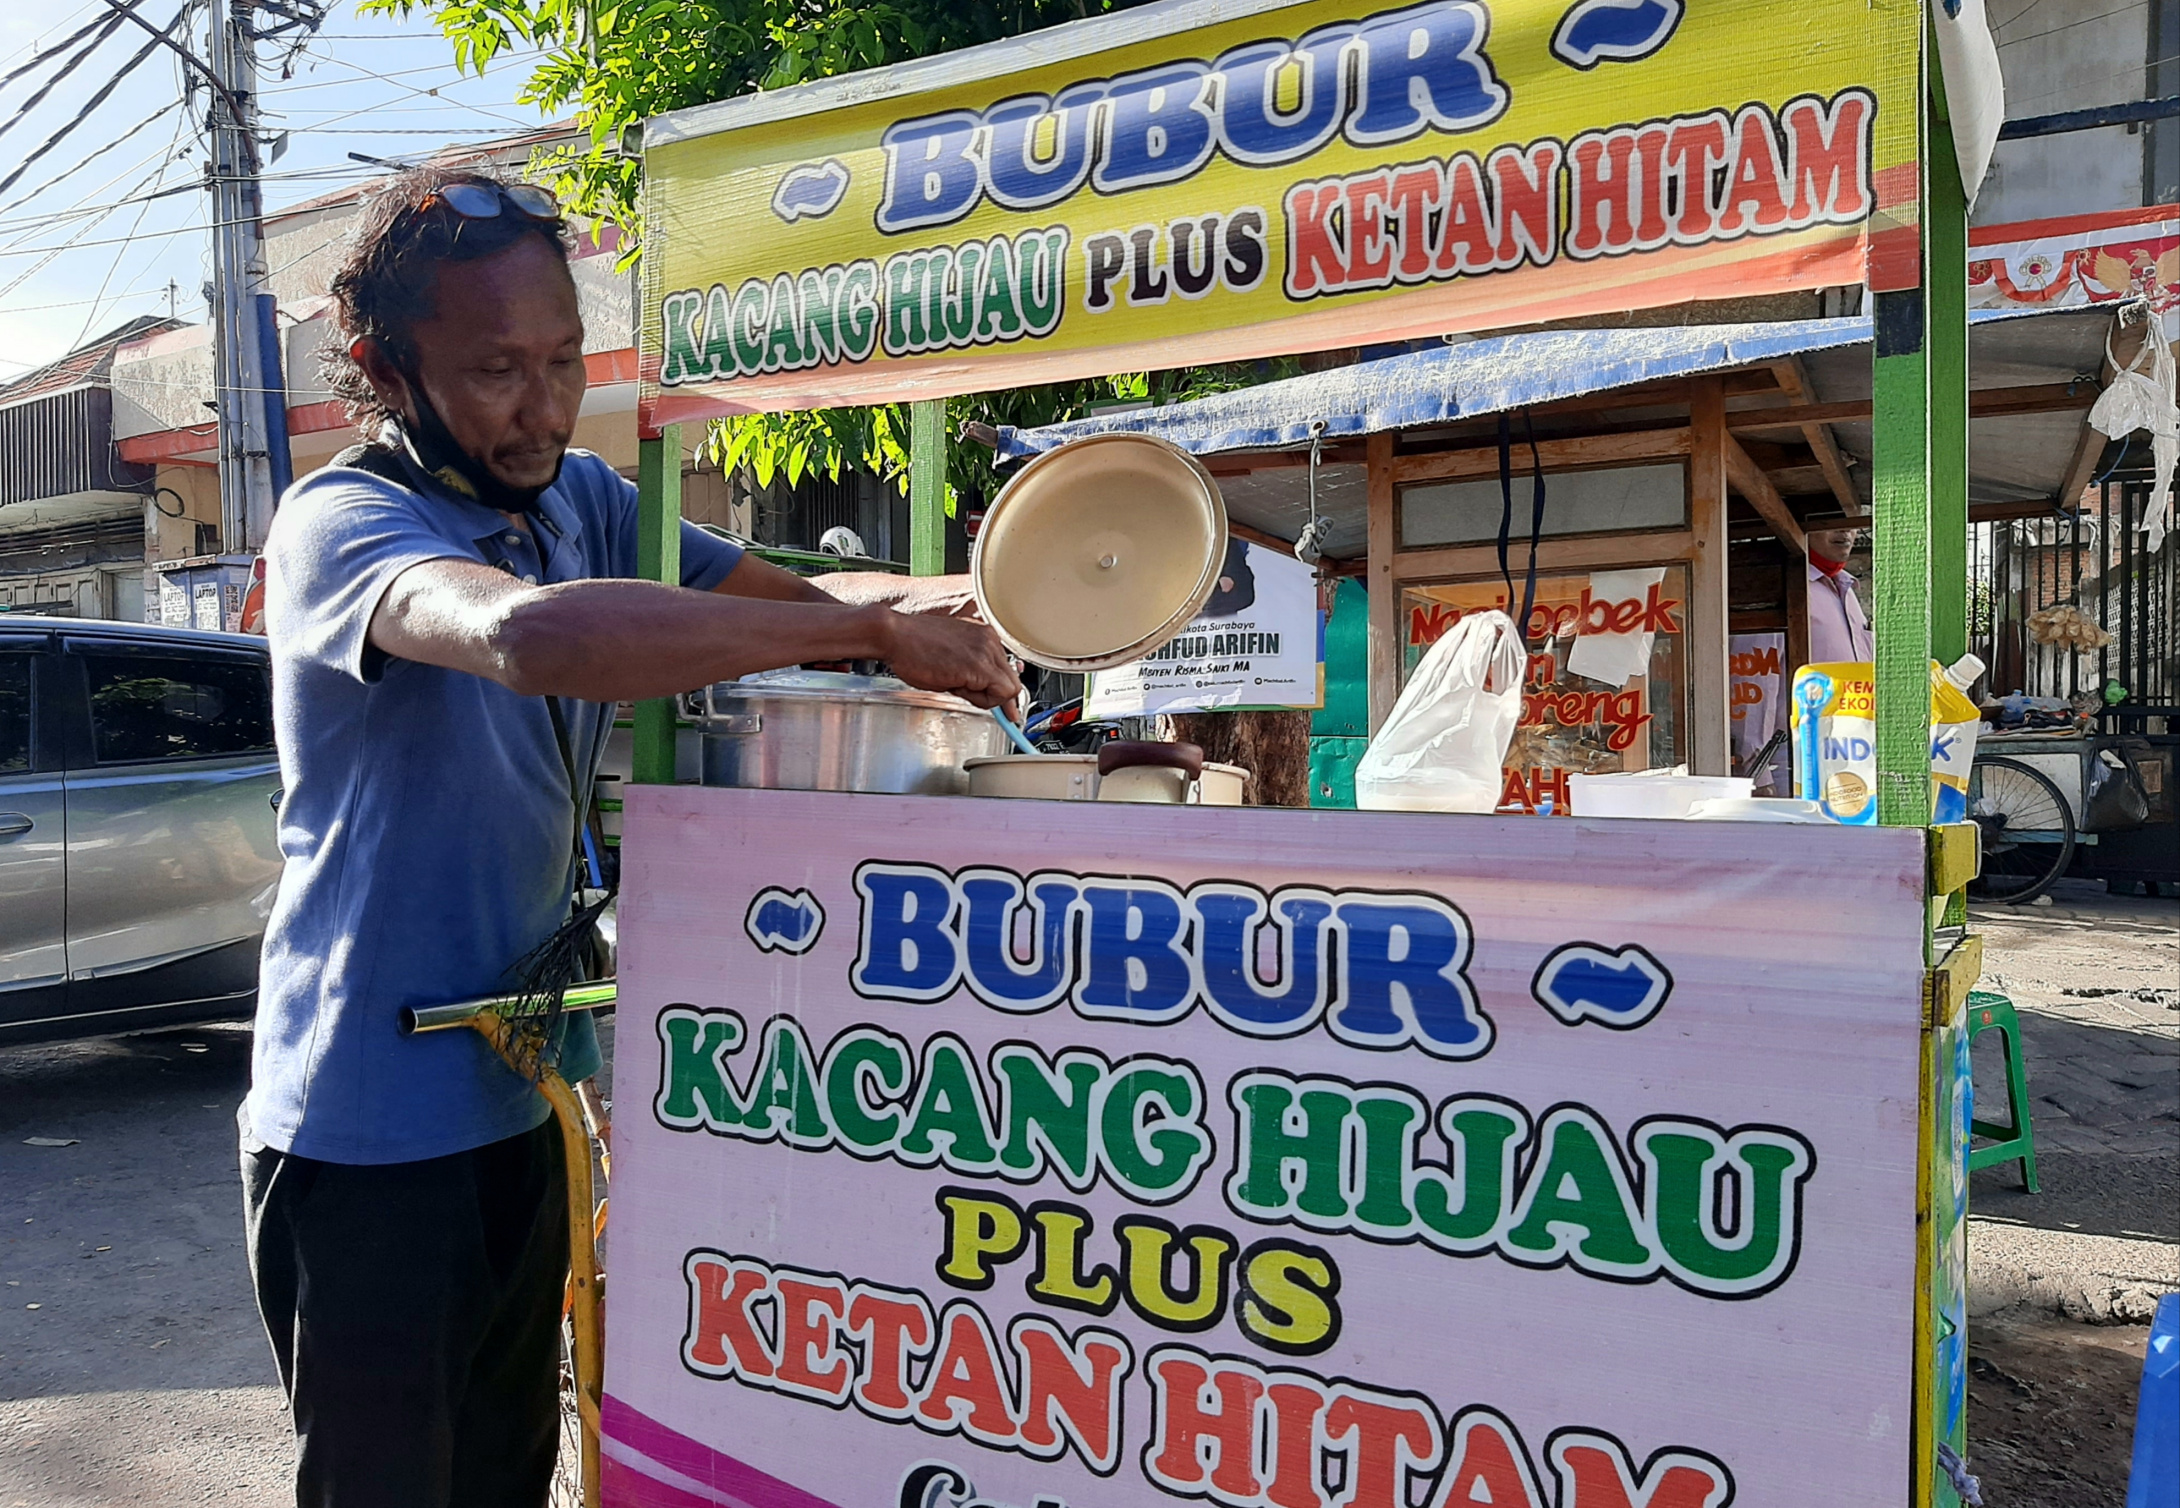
[[1607, 685], [182, 707], [14, 714], [1614, 501]]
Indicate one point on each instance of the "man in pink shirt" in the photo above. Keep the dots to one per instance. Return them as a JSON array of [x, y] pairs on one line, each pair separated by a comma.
[[1838, 628]]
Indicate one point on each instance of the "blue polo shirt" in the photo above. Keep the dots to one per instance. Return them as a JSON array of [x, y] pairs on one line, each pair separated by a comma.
[[426, 822]]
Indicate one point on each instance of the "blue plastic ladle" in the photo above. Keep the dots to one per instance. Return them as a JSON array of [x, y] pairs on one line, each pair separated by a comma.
[[1015, 735]]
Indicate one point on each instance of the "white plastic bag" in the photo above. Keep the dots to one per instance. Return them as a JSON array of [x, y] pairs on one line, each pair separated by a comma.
[[1442, 748], [2139, 400]]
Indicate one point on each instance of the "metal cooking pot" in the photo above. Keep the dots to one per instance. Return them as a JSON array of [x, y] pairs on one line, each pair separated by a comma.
[[1165, 773], [815, 730]]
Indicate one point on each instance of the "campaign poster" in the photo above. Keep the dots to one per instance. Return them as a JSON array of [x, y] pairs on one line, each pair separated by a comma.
[[1258, 643]]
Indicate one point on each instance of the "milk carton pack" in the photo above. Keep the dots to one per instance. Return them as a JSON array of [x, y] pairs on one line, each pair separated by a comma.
[[1834, 711]]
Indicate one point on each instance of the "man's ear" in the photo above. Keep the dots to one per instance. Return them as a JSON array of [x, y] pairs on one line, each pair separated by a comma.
[[382, 372]]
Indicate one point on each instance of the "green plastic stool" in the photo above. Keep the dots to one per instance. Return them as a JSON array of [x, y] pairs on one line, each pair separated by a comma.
[[2015, 1142]]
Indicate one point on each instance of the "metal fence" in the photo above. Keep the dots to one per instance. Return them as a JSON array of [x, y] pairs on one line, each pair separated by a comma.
[[2093, 560]]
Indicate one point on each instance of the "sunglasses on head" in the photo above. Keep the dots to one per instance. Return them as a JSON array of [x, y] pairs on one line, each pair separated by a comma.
[[484, 201]]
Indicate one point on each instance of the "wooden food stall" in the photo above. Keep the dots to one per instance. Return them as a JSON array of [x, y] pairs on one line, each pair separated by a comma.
[[1026, 1152], [1680, 466]]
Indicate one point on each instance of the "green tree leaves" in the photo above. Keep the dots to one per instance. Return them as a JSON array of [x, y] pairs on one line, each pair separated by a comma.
[[612, 63]]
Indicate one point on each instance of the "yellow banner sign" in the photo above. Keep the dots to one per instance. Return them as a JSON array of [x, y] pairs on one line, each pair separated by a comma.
[[1217, 181]]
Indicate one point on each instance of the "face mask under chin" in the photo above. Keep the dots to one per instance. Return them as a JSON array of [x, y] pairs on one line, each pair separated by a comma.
[[441, 457]]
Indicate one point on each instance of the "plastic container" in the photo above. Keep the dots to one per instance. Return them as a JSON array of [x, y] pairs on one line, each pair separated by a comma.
[[1221, 785], [1647, 794], [1041, 777], [1757, 809]]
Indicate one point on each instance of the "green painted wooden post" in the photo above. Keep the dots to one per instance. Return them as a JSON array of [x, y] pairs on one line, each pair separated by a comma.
[[927, 488], [1945, 274], [658, 558], [1901, 526], [1945, 281]]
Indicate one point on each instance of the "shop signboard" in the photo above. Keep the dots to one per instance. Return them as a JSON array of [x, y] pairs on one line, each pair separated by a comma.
[[1035, 1153], [1216, 180], [1756, 665], [1258, 643], [1607, 684]]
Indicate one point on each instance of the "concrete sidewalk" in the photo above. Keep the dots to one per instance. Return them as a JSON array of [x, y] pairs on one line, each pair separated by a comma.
[[2096, 979]]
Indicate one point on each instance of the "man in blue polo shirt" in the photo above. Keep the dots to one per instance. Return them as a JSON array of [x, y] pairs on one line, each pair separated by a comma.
[[453, 614]]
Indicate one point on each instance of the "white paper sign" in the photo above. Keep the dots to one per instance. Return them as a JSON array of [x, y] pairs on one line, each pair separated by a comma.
[[1255, 644], [1612, 637]]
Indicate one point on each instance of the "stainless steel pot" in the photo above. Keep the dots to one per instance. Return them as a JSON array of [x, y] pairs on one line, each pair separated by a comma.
[[808, 730], [1170, 774]]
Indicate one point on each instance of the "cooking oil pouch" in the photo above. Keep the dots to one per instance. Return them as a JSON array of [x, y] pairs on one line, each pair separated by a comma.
[[1954, 723], [1834, 711]]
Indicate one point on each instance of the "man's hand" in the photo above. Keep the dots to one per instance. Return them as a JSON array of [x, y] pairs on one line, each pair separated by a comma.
[[938, 653]]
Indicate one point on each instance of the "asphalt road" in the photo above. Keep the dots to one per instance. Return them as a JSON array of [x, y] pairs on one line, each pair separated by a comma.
[[132, 1366], [133, 1369]]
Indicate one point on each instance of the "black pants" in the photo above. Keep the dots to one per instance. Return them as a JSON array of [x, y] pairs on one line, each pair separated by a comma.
[[414, 1310]]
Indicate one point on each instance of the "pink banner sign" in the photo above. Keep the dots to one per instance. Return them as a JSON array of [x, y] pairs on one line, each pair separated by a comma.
[[2079, 261], [1070, 1155]]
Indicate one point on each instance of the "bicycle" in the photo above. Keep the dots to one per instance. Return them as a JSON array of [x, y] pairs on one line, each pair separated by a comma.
[[582, 1315], [2026, 829]]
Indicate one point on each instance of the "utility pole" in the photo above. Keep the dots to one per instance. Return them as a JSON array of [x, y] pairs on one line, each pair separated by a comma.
[[252, 406]]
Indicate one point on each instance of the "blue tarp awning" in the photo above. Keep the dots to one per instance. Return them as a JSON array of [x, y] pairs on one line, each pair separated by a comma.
[[1465, 381], [2015, 457]]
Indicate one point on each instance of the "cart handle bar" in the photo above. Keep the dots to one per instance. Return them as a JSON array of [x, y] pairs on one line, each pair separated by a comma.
[[432, 1018]]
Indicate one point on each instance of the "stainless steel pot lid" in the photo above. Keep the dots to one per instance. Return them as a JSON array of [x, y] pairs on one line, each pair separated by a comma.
[[1095, 554], [834, 686]]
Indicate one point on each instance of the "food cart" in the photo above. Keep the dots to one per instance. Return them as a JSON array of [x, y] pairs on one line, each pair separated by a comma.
[[1025, 1152], [1627, 599]]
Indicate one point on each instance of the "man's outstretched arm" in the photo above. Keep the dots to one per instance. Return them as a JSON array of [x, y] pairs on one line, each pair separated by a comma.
[[621, 640], [950, 596]]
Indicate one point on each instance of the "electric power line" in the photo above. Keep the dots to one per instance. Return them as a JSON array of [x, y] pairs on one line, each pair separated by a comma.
[[279, 91], [37, 47], [85, 161], [53, 253], [84, 207], [106, 19], [430, 94], [174, 149], [297, 175], [123, 296], [104, 30], [439, 131], [68, 127]]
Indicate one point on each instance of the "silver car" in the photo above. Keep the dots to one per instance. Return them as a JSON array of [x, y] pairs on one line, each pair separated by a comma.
[[138, 796]]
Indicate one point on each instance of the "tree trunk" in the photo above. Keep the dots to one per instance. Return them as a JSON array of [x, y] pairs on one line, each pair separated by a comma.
[[1274, 747]]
